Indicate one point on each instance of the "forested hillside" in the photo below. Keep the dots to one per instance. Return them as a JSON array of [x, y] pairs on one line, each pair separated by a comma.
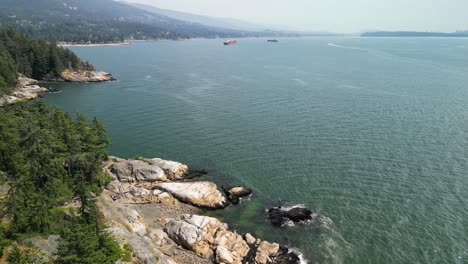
[[33, 58], [47, 158], [99, 21]]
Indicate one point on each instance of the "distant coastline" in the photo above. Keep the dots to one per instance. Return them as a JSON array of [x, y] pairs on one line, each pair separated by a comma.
[[463, 34]]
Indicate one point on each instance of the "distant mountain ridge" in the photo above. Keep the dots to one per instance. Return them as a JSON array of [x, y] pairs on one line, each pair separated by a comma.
[[99, 21], [230, 23]]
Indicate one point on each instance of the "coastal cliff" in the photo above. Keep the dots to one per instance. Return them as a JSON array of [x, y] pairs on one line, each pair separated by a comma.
[[155, 210]]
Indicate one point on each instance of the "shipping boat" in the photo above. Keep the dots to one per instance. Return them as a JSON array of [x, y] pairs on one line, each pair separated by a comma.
[[272, 40], [230, 42]]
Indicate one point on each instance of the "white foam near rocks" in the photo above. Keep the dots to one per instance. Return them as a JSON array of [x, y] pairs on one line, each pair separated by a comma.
[[302, 259]]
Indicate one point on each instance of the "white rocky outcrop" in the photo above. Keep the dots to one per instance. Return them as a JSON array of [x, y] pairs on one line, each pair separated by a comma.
[[143, 247], [84, 76], [172, 169], [230, 247], [26, 89], [141, 183], [202, 194], [136, 170], [266, 251], [207, 237], [139, 193], [128, 227], [144, 170]]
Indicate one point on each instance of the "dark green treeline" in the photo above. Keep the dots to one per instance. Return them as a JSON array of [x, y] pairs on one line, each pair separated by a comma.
[[48, 158], [33, 58]]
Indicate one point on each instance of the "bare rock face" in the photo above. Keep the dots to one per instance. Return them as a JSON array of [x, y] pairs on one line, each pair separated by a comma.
[[207, 237], [118, 187], [202, 194], [139, 191], [265, 252], [143, 248], [165, 197], [25, 81], [194, 232], [130, 192], [84, 76], [159, 237], [249, 239], [173, 169], [127, 227], [28, 92], [26, 89], [144, 170], [230, 247], [136, 170]]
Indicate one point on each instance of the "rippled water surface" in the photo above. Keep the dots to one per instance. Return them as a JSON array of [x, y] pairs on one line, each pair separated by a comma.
[[371, 133]]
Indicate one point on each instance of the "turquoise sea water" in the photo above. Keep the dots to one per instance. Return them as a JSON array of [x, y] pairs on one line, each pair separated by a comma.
[[372, 133]]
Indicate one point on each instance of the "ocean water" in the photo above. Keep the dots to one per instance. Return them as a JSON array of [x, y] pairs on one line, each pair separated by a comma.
[[370, 133]]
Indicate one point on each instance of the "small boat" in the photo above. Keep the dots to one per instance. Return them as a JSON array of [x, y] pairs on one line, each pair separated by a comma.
[[272, 40], [230, 42]]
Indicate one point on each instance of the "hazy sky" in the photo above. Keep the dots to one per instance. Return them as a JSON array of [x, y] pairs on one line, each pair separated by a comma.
[[334, 15]]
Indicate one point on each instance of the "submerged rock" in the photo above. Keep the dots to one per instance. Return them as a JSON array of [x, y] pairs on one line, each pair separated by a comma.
[[234, 194], [192, 174], [279, 216], [201, 194]]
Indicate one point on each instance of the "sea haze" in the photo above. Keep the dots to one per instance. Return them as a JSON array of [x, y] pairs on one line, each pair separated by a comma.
[[370, 133]]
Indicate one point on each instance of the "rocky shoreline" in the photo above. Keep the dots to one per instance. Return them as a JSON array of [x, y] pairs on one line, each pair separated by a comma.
[[152, 206], [28, 88], [82, 77]]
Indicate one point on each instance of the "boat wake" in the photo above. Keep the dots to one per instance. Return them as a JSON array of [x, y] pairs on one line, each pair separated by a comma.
[[299, 81], [346, 47]]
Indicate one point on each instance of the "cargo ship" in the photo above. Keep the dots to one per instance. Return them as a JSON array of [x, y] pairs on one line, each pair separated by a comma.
[[230, 42], [272, 40]]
